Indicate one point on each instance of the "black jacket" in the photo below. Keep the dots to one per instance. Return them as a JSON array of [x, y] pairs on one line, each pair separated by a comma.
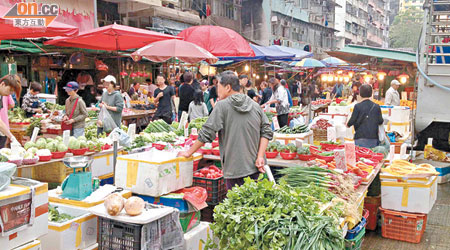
[[366, 118]]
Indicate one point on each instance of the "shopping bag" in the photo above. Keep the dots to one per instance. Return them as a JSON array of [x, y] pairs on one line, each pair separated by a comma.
[[123, 137], [108, 123], [382, 135]]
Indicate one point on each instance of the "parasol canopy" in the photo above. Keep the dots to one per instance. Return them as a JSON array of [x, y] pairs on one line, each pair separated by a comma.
[[334, 62], [164, 50], [111, 37], [299, 54], [308, 63], [220, 41]]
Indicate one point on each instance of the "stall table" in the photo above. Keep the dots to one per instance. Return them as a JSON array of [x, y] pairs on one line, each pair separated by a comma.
[[139, 115]]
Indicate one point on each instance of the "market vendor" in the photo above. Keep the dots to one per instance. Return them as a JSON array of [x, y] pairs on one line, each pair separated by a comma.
[[392, 95], [244, 132], [366, 118], [76, 112], [281, 100], [8, 85], [31, 103], [338, 90], [112, 100]]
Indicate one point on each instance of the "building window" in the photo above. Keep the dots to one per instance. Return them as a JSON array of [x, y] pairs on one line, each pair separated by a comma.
[[348, 26]]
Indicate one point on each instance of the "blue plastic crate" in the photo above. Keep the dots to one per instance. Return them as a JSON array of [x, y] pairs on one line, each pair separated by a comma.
[[351, 234], [170, 200]]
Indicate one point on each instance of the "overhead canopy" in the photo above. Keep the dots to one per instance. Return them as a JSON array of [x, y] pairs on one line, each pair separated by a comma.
[[164, 50], [299, 54], [112, 37], [55, 28], [220, 41], [334, 62], [361, 54], [264, 53], [308, 63]]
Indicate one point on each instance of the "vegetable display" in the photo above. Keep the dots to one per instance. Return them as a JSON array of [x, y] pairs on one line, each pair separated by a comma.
[[259, 216], [211, 172], [35, 123], [51, 106], [55, 216], [114, 204], [134, 206], [139, 142], [303, 151], [197, 123], [269, 115], [17, 115], [272, 146], [295, 130], [158, 126]]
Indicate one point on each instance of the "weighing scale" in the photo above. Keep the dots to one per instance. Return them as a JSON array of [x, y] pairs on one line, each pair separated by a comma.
[[78, 185]]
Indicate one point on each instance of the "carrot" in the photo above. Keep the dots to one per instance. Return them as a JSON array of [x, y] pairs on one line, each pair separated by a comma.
[[321, 161]]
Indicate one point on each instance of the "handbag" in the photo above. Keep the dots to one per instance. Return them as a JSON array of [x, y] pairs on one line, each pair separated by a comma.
[[65, 126]]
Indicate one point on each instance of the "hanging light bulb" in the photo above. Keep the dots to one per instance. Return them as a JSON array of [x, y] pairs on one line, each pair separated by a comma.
[[336, 78], [330, 78], [265, 76], [257, 77], [341, 79], [324, 77], [246, 68], [351, 74], [346, 79], [381, 75], [254, 75], [235, 72], [403, 78]]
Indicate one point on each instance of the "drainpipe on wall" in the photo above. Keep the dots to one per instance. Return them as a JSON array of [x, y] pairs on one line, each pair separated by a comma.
[[95, 14]]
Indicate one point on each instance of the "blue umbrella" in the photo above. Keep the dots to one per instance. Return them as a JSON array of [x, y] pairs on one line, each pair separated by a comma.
[[308, 63], [334, 62]]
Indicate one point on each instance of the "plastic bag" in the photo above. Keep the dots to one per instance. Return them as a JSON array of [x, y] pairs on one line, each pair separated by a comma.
[[7, 170], [108, 123], [122, 136], [299, 121]]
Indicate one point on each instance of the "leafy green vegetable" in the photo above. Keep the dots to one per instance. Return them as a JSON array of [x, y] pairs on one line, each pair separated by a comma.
[[259, 216], [158, 126], [139, 142], [197, 123], [55, 216], [303, 151]]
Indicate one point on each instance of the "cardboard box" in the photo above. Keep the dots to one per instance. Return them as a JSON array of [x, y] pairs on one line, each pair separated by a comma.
[[34, 245], [154, 173], [413, 195], [24, 206], [78, 233]]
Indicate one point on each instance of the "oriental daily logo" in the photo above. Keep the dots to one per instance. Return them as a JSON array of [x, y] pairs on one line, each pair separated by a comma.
[[29, 15]]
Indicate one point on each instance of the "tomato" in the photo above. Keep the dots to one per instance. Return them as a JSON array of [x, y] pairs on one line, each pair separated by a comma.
[[204, 171], [209, 176], [196, 174], [215, 168], [212, 171]]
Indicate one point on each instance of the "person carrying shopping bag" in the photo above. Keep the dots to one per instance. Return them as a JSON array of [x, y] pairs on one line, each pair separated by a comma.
[[76, 112]]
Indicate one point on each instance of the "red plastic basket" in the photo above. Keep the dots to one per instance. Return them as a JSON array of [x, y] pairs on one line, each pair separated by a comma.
[[325, 158], [215, 144], [373, 215], [288, 156], [401, 226], [271, 155], [377, 156], [58, 155], [330, 147], [45, 158], [216, 188], [159, 146], [306, 157], [216, 152], [80, 151]]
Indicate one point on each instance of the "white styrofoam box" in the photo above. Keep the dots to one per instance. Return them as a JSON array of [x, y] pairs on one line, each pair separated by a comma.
[[102, 164], [154, 173], [290, 138], [334, 118], [24, 202], [444, 174], [193, 239], [92, 247], [413, 195], [80, 232], [47, 97], [33, 245], [342, 110], [400, 114], [404, 128]]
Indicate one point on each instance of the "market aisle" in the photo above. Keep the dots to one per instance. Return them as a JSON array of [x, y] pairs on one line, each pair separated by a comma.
[[436, 235]]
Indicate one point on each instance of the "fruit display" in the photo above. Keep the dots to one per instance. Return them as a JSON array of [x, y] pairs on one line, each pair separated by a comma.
[[407, 103], [342, 103]]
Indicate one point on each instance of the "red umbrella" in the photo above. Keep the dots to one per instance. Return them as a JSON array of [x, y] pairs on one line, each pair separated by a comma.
[[111, 37], [220, 41], [55, 28], [164, 50]]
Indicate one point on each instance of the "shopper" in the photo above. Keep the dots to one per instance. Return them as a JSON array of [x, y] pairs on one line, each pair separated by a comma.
[[243, 129], [8, 84], [286, 87], [134, 89], [163, 98], [204, 85], [366, 118], [243, 80], [31, 103], [250, 91], [197, 108], [76, 112], [266, 92], [186, 94], [151, 87], [213, 92], [8, 103], [338, 90], [112, 100], [392, 95], [280, 99]]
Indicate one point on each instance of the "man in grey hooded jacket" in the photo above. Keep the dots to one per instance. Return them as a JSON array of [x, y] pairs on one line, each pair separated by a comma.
[[244, 132]]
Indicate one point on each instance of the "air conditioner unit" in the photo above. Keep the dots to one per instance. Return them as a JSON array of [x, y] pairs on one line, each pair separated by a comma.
[[274, 19]]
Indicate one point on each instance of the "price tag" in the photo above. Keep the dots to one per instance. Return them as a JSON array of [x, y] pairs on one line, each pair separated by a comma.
[[66, 137], [183, 120], [35, 134], [132, 131], [350, 153], [276, 125], [391, 153], [339, 157], [298, 143], [331, 134]]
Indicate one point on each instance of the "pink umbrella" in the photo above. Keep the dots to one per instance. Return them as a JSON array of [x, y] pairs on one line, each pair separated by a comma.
[[164, 50]]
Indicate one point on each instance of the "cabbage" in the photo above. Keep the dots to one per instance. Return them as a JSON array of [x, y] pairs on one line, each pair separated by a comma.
[[74, 143], [6, 151], [49, 140], [32, 150], [51, 146], [41, 140], [29, 145], [28, 155], [41, 143], [59, 138], [83, 144], [62, 147], [82, 138]]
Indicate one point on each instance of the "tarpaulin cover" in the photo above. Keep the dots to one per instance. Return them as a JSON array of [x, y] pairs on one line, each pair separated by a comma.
[[263, 53], [220, 41], [299, 54], [111, 37], [164, 50], [8, 31]]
